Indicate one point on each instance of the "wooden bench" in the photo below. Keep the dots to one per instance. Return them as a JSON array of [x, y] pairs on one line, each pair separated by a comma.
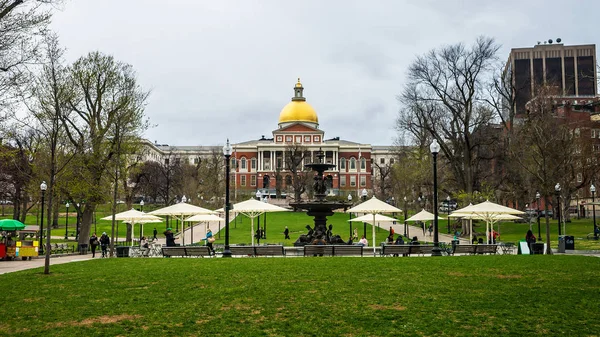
[[396, 250], [242, 250], [197, 251], [347, 250], [318, 250], [424, 249], [465, 249], [173, 251], [269, 250], [487, 249]]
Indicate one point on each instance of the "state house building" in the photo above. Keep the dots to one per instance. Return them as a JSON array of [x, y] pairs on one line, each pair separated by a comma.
[[256, 164]]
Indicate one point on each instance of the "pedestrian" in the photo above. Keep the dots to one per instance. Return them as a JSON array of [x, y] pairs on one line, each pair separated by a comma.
[[530, 238], [104, 242], [355, 234], [93, 244], [430, 229], [392, 231], [286, 232], [209, 241], [155, 232], [390, 238], [144, 246], [170, 237]]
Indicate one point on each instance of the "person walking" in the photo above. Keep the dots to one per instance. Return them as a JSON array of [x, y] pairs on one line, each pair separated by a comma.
[[155, 232], [209, 241], [170, 237], [104, 242], [530, 239], [93, 244], [430, 229], [286, 232]]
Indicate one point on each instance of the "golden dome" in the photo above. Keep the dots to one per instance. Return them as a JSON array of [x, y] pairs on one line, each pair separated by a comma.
[[298, 111]]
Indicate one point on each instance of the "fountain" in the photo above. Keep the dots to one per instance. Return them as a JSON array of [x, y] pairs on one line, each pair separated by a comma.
[[319, 208]]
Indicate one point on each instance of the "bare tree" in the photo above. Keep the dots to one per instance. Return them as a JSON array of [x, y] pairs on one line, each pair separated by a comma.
[[444, 99], [295, 156]]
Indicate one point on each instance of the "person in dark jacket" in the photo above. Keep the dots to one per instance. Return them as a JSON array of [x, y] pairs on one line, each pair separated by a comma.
[[286, 232], [93, 244], [104, 242], [155, 232], [170, 238]]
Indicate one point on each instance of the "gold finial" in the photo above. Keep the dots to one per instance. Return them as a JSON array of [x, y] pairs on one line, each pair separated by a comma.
[[298, 85]]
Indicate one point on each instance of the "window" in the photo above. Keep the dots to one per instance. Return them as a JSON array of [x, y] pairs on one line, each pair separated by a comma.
[[317, 139], [307, 139], [177, 161], [243, 163], [298, 139], [352, 164], [253, 163], [233, 163], [342, 181], [342, 163], [253, 180], [279, 138], [243, 180], [382, 161], [288, 139], [363, 181], [279, 163], [363, 164], [392, 161], [196, 160], [166, 161], [353, 181], [596, 148], [579, 177]]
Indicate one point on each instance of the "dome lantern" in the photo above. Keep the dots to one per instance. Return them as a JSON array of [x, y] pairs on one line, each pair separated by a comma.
[[298, 92]]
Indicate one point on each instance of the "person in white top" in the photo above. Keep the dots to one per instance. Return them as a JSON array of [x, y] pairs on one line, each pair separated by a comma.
[[363, 241], [144, 247]]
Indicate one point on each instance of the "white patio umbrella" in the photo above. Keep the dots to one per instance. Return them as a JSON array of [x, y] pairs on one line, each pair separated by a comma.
[[423, 216], [206, 218], [181, 211], [369, 219], [132, 216], [488, 211], [142, 222], [253, 208], [472, 217], [374, 206]]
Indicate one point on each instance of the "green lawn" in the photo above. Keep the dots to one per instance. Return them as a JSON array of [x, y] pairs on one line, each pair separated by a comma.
[[449, 296]]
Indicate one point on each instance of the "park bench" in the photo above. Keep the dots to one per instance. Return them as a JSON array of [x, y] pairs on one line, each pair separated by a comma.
[[269, 250], [347, 250], [242, 250], [465, 249], [396, 250], [487, 249], [425, 249], [173, 251], [318, 250], [198, 251]]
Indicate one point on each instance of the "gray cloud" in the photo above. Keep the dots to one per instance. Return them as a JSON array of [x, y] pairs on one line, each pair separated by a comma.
[[222, 69]]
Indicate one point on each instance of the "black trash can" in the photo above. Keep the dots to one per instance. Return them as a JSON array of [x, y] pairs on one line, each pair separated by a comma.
[[537, 248], [122, 251], [83, 249], [569, 242]]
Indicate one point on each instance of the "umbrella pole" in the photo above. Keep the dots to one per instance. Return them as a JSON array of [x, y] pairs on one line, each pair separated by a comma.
[[471, 231], [252, 230], [373, 228]]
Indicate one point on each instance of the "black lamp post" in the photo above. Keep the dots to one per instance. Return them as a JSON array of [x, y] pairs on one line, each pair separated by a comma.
[[363, 195], [67, 222], [593, 190], [43, 187], [349, 201], [405, 216], [448, 212], [77, 224], [141, 225], [537, 198], [227, 154], [557, 191], [435, 149]]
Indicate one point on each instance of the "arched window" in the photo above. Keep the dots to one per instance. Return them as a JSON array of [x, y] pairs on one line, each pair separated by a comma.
[[352, 163], [253, 163], [243, 163], [342, 163], [363, 163]]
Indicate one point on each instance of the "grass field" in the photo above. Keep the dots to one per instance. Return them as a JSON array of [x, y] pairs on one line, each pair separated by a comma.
[[296, 221], [448, 296]]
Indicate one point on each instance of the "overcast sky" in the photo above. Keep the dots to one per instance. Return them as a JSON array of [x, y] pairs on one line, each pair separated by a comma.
[[219, 69]]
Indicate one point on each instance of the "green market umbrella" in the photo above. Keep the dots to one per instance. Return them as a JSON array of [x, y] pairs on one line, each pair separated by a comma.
[[11, 225]]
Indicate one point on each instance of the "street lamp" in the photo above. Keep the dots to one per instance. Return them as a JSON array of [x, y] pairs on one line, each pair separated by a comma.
[[448, 211], [557, 191], [67, 222], [537, 198], [141, 226], [593, 190], [350, 201], [435, 149], [77, 226], [43, 187], [141, 205], [227, 154], [363, 195], [405, 215]]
